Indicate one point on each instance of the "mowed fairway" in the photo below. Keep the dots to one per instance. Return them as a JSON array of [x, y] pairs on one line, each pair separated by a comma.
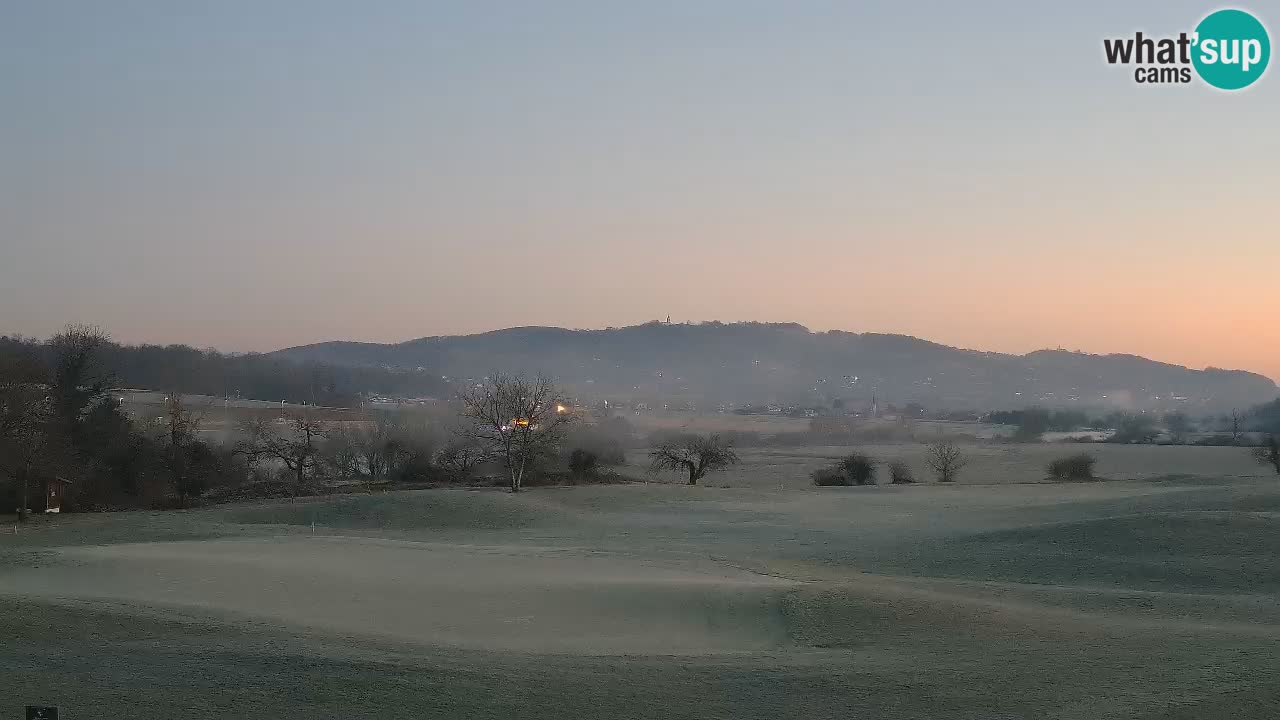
[[1125, 599]]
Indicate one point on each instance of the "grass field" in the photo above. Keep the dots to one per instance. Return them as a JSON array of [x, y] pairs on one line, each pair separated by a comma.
[[1133, 598], [988, 463]]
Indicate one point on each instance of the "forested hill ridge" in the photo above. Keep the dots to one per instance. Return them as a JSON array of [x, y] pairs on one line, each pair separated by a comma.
[[746, 363], [188, 370]]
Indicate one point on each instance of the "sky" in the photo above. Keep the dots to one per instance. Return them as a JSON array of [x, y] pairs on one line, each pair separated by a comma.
[[255, 175]]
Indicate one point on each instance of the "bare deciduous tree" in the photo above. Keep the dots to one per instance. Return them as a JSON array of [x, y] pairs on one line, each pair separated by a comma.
[[1237, 429], [693, 454], [189, 462], [297, 446], [945, 459], [515, 418], [364, 449], [178, 440], [342, 452], [459, 457], [1269, 452], [387, 446]]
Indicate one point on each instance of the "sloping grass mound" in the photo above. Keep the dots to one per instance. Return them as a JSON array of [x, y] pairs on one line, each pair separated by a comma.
[[1195, 551], [496, 597]]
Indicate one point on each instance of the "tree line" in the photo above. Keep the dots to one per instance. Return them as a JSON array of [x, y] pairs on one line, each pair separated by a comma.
[[193, 371], [59, 421], [1138, 428]]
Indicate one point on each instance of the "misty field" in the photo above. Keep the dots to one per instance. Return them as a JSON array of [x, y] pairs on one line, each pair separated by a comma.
[[1153, 595], [986, 463]]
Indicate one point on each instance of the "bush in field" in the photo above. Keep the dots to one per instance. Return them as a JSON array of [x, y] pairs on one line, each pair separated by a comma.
[[583, 463], [606, 440], [859, 468], [853, 469], [900, 473], [830, 477], [1073, 467]]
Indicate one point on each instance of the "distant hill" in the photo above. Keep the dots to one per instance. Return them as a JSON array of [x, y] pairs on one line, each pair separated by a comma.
[[178, 368], [742, 363]]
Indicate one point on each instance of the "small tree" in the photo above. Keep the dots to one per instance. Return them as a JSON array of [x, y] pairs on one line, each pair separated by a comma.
[[1178, 425], [860, 468], [411, 448], [945, 459], [517, 418], [298, 447], [1237, 429], [186, 459], [343, 455], [386, 446], [365, 449], [693, 454], [1269, 452], [900, 473]]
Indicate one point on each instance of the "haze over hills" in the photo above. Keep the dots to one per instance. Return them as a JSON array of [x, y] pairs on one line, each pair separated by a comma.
[[712, 364]]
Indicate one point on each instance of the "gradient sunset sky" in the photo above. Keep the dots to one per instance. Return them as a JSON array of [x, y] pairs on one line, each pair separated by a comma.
[[254, 175]]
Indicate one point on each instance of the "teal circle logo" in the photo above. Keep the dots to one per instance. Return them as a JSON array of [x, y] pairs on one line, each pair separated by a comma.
[[1232, 49]]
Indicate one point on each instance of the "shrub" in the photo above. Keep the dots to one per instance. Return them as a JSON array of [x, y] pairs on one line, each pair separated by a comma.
[[416, 467], [457, 460], [606, 440], [859, 468], [276, 488], [583, 463], [1073, 467], [830, 477], [900, 473]]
